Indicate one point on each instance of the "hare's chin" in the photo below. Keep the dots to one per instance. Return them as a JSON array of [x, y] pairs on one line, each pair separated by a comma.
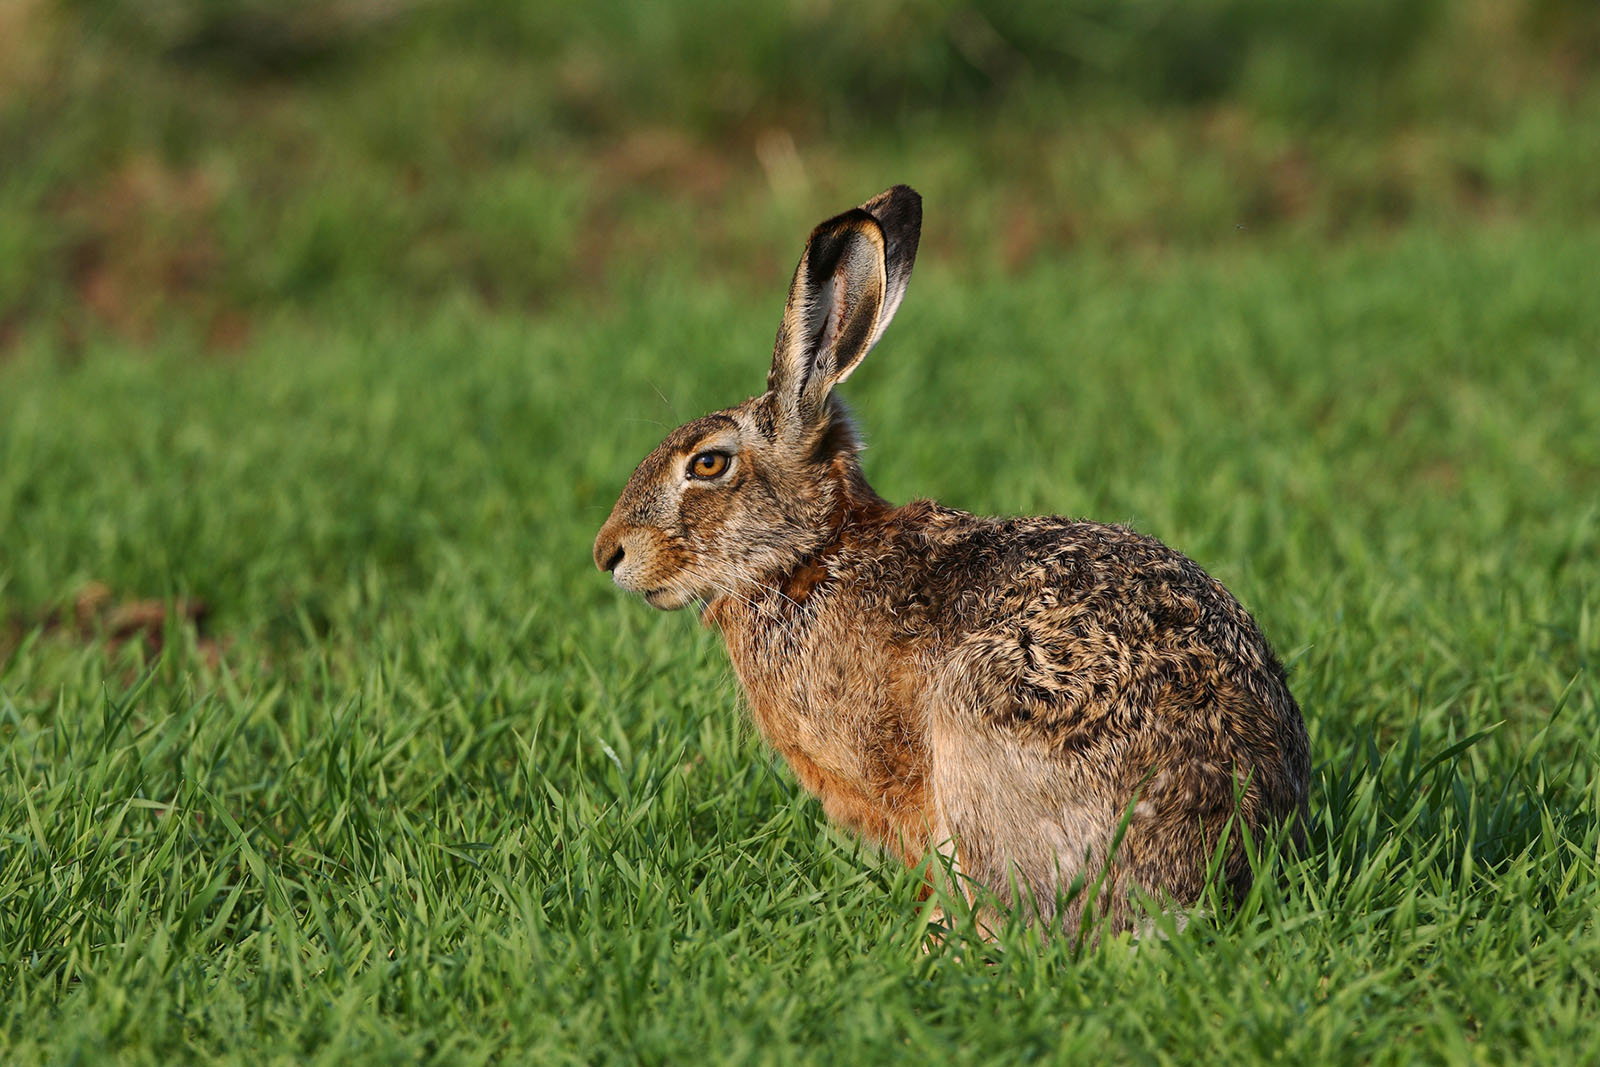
[[665, 598]]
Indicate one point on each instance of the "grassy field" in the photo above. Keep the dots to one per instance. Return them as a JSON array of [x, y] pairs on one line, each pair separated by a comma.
[[421, 784], [326, 344]]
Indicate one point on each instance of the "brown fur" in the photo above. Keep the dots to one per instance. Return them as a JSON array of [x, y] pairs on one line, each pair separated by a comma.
[[1010, 691]]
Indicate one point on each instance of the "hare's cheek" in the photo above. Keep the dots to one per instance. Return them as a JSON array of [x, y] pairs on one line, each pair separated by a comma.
[[704, 514]]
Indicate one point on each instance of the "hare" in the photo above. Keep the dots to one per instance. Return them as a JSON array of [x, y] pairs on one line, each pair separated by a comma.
[[1050, 703]]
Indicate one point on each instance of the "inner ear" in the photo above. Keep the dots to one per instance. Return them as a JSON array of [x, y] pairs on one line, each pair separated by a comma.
[[830, 310], [832, 315], [847, 283]]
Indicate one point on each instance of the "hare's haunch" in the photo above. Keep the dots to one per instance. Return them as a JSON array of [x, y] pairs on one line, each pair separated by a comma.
[[1012, 692]]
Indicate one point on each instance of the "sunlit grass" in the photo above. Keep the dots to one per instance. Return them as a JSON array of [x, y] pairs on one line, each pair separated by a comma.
[[423, 786]]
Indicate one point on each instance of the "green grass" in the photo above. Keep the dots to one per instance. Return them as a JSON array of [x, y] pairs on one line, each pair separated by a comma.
[[444, 796]]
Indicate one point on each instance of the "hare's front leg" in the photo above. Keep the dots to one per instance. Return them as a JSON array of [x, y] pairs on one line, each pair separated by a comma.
[[945, 882]]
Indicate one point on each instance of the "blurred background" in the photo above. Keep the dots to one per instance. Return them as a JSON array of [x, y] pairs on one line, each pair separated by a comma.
[[330, 331], [193, 165]]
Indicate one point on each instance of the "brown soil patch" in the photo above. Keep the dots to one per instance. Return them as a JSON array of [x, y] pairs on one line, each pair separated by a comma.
[[98, 615]]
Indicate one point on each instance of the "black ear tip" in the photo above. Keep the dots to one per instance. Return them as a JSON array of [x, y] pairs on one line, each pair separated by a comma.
[[895, 200], [898, 210]]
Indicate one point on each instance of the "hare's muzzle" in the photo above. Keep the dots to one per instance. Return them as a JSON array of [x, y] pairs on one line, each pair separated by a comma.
[[608, 547]]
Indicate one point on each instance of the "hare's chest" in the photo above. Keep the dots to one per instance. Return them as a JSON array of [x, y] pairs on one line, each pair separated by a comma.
[[847, 714]]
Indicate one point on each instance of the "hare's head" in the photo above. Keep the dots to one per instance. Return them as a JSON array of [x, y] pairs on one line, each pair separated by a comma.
[[747, 493]]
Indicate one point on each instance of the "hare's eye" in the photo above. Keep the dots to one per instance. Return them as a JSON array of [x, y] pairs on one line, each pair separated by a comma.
[[708, 464]]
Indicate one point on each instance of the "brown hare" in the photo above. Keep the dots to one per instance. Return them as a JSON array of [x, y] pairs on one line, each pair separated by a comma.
[[1050, 703]]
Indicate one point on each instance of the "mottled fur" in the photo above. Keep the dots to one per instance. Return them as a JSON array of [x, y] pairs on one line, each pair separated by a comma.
[[1011, 691]]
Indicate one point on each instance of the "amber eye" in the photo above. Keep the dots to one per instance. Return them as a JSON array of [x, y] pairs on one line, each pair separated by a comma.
[[708, 464]]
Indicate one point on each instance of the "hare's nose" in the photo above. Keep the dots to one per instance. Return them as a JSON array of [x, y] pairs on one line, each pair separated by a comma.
[[607, 549]]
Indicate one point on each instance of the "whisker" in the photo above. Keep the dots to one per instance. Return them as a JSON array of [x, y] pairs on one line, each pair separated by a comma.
[[775, 589], [788, 627], [665, 402]]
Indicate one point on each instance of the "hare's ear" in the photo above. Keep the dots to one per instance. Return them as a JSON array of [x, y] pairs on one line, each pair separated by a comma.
[[899, 214], [847, 286]]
